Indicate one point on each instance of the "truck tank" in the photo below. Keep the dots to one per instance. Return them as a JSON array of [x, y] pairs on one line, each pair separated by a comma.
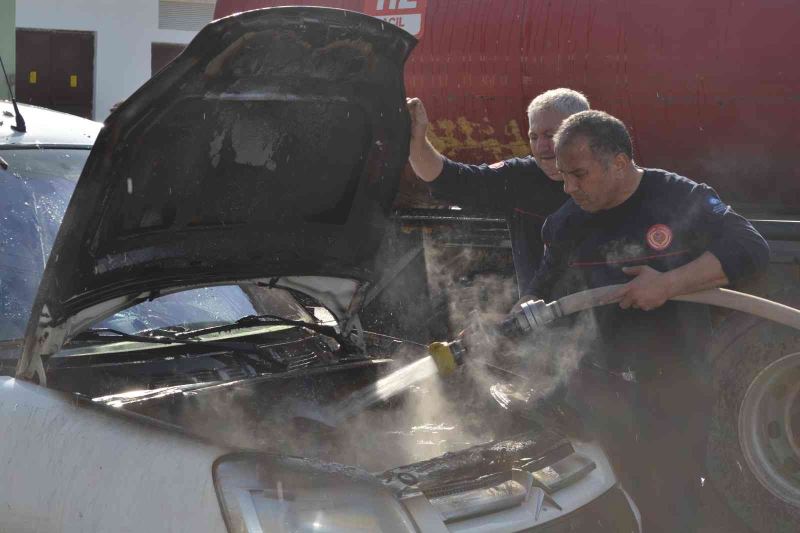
[[708, 89]]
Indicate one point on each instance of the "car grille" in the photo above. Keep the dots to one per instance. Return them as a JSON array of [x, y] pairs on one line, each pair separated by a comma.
[[467, 485]]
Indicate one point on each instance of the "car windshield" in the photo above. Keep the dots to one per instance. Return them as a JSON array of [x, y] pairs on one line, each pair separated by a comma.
[[34, 193], [205, 307]]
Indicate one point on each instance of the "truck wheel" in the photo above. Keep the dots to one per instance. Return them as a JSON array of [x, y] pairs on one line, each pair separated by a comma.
[[754, 440]]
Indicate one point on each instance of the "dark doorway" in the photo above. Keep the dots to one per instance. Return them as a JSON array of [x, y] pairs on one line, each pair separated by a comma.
[[55, 69], [162, 53]]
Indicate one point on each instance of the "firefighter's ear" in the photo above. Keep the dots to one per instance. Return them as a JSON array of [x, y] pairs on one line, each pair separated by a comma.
[[620, 162]]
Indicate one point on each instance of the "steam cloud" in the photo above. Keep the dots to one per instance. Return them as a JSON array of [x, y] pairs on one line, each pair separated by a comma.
[[546, 360], [433, 415]]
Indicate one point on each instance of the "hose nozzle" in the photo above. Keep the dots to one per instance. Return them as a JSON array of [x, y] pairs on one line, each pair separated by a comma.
[[534, 314], [447, 355]]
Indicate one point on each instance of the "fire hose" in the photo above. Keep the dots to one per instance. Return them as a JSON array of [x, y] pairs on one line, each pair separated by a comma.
[[534, 314]]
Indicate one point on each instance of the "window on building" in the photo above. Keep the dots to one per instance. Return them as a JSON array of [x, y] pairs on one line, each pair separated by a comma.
[[163, 53], [189, 15]]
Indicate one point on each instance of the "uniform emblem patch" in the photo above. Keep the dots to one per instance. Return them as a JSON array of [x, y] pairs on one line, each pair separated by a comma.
[[659, 237], [499, 164], [716, 205]]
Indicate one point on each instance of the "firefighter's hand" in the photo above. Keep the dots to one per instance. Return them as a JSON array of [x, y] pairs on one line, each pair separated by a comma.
[[648, 290], [419, 119]]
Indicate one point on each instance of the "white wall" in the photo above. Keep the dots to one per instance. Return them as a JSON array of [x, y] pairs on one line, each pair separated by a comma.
[[124, 30]]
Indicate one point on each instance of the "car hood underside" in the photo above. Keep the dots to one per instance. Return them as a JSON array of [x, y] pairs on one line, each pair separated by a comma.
[[271, 146]]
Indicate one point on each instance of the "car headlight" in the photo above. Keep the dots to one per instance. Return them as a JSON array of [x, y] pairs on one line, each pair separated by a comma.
[[271, 493]]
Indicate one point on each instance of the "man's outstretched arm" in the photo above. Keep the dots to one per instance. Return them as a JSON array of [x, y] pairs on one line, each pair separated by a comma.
[[426, 161]]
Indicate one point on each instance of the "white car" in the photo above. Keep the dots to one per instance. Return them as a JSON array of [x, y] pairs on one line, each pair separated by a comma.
[[161, 344]]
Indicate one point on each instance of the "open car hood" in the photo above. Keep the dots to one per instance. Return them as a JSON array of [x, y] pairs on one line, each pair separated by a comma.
[[273, 145]]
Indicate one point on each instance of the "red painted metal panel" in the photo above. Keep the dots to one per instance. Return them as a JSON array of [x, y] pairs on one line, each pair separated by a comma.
[[708, 89], [406, 14]]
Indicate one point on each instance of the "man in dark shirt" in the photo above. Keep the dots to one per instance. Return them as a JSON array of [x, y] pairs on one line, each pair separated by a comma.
[[525, 190], [641, 383]]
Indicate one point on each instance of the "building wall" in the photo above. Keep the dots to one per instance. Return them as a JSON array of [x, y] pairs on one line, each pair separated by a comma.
[[124, 31], [7, 40]]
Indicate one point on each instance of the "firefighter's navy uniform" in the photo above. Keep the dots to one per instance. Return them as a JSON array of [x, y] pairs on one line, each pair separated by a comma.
[[642, 383], [516, 188]]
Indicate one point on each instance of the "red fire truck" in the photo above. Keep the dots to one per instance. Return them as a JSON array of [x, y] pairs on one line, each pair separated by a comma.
[[708, 89]]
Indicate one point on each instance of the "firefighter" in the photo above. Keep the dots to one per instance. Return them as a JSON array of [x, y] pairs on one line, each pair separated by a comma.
[[642, 382], [525, 189]]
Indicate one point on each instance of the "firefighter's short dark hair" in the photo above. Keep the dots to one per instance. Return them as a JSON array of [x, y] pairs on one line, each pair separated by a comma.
[[607, 135]]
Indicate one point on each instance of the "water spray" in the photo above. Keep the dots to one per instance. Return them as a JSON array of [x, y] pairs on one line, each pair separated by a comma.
[[446, 357]]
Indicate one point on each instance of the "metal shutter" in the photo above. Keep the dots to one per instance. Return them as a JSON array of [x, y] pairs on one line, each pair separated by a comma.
[[184, 15]]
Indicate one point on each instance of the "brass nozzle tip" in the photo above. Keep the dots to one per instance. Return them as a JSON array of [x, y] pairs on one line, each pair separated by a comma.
[[443, 357]]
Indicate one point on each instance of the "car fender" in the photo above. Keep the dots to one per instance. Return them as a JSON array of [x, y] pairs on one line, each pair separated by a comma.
[[73, 466]]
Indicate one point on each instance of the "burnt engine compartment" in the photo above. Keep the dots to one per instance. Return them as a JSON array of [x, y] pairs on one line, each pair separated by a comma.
[[278, 400], [278, 413]]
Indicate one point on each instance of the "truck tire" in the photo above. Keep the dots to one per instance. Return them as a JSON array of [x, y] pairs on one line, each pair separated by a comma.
[[754, 436]]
